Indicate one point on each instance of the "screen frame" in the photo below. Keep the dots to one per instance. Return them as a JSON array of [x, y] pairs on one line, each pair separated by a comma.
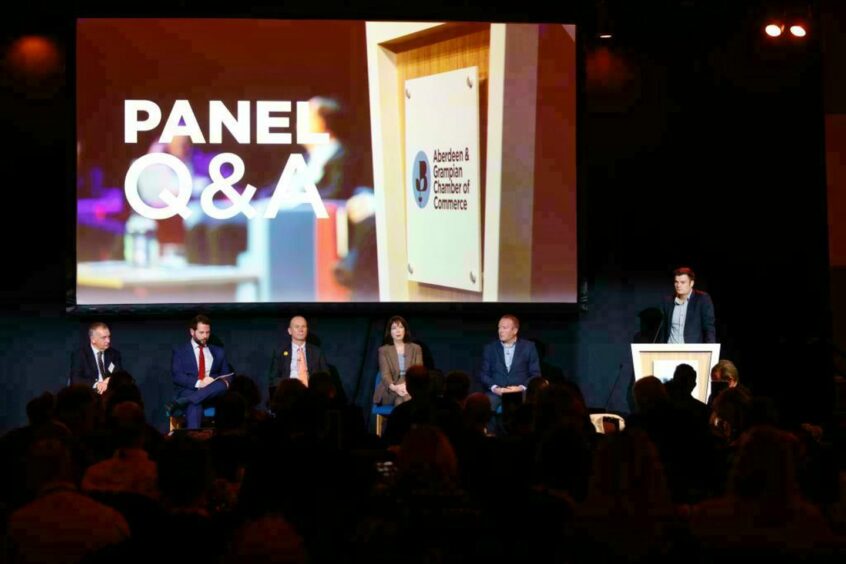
[[542, 309]]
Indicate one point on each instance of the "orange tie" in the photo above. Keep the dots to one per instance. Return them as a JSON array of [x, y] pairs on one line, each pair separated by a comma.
[[302, 369]]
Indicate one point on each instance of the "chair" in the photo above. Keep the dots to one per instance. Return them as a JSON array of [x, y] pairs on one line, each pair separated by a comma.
[[176, 417], [380, 411], [607, 422]]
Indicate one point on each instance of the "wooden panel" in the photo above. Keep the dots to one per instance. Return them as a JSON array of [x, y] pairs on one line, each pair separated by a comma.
[[431, 52]]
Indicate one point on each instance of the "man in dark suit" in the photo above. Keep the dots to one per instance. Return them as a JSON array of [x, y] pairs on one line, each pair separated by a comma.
[[689, 314], [296, 358], [95, 362], [508, 363], [199, 370]]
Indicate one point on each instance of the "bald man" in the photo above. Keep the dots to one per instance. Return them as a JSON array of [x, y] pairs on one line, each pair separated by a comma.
[[296, 358]]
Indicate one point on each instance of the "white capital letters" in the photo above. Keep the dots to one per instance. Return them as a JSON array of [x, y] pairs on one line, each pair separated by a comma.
[[132, 125], [175, 204], [264, 122], [219, 116], [182, 112], [295, 187], [304, 136]]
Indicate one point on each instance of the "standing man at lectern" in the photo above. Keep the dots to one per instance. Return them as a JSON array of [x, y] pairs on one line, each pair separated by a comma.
[[689, 314]]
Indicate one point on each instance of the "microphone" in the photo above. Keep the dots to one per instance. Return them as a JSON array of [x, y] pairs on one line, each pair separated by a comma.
[[614, 387], [658, 331]]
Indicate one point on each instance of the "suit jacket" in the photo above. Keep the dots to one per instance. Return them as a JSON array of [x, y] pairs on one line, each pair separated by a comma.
[[280, 364], [84, 365], [390, 370], [524, 365], [183, 367], [699, 323]]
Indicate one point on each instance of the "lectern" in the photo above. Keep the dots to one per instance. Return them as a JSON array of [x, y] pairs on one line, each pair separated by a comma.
[[661, 359]]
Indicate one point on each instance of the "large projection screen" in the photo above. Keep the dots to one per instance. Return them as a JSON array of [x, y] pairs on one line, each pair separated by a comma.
[[276, 161]]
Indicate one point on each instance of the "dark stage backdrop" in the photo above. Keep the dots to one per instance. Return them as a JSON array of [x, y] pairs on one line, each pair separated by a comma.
[[699, 144]]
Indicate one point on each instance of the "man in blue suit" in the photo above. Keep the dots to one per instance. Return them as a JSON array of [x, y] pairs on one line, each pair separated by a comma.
[[508, 363], [689, 314], [200, 371]]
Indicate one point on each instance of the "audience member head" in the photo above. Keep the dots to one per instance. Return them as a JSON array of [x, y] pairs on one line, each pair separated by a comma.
[[289, 394], [563, 460], [427, 457], [321, 386], [39, 410], [559, 404], [649, 394], [184, 467], [78, 407], [730, 413], [628, 477], [477, 411], [457, 385], [124, 392], [726, 370], [248, 389], [267, 540], [683, 382], [230, 412], [127, 422], [437, 382], [48, 461], [534, 387], [417, 382], [765, 466], [121, 377]]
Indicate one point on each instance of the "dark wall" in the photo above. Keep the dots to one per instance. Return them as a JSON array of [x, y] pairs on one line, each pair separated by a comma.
[[696, 147]]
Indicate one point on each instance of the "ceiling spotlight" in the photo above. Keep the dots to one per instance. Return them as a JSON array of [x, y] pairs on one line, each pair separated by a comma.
[[798, 30], [774, 30], [605, 36]]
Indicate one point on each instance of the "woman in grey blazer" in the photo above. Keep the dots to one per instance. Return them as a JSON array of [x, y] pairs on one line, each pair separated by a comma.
[[396, 356]]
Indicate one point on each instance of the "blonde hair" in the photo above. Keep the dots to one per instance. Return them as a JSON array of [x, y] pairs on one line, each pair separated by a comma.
[[726, 370]]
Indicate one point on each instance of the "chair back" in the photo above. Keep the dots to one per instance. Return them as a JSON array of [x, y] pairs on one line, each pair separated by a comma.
[[605, 423]]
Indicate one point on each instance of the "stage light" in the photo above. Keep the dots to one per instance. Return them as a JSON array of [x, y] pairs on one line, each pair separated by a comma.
[[34, 56], [774, 30], [798, 30], [605, 36]]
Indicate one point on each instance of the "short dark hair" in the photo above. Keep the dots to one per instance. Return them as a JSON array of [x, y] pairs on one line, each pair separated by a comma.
[[388, 340], [684, 270], [513, 319], [200, 319]]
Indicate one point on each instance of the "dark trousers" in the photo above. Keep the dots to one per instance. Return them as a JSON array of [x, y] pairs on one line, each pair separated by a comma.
[[193, 402]]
